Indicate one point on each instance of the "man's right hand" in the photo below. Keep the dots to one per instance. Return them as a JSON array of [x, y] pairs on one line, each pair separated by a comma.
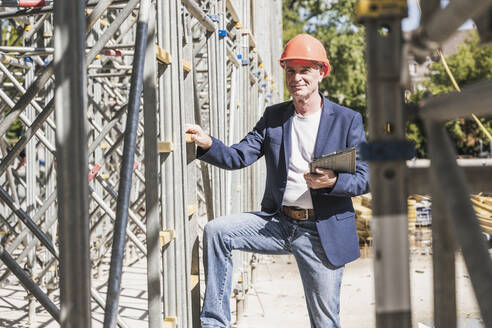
[[199, 136]]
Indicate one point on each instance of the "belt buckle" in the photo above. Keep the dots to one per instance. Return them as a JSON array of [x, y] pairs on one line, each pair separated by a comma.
[[306, 214]]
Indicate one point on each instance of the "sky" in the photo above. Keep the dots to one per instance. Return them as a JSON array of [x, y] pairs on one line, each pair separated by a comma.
[[413, 19]]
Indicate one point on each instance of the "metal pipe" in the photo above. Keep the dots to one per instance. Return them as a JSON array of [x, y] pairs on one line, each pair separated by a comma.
[[29, 284], [450, 181], [478, 179], [151, 172], [19, 87], [198, 13], [112, 215], [388, 178], [114, 195], [475, 99], [45, 10], [455, 14], [28, 221], [48, 71], [443, 248], [115, 272], [167, 176], [72, 163], [28, 134]]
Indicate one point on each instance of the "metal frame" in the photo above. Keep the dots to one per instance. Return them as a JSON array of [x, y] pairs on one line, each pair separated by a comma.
[[91, 77], [455, 224]]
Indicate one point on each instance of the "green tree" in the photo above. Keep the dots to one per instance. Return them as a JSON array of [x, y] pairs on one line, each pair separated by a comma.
[[333, 23], [470, 64]]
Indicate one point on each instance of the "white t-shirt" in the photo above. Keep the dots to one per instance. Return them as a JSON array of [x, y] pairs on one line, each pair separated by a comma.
[[303, 139]]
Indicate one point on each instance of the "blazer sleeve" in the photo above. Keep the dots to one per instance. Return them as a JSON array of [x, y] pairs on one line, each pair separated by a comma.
[[350, 185], [239, 155]]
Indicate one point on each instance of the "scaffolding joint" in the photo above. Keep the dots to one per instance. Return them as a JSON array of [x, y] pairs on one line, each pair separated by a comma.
[[387, 150]]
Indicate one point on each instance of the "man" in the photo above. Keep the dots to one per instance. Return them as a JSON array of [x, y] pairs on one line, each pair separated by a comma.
[[308, 215]]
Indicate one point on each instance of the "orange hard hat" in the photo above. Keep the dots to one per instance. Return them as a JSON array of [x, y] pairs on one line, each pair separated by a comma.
[[306, 47]]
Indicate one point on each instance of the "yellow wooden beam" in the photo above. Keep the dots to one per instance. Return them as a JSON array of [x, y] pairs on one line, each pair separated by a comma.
[[166, 236], [195, 279], [187, 66], [165, 146], [189, 137], [191, 209], [162, 55], [170, 322]]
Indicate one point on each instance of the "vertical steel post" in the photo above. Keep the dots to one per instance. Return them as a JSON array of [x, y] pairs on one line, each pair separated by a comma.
[[151, 185], [390, 222], [166, 169], [443, 239], [449, 179], [124, 188], [72, 168]]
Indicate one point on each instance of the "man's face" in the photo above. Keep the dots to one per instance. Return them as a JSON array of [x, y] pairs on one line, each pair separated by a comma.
[[302, 78]]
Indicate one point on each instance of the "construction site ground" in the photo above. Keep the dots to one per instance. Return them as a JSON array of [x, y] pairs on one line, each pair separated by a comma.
[[278, 288]]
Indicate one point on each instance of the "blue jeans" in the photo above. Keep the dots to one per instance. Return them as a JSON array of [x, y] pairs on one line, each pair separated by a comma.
[[278, 235]]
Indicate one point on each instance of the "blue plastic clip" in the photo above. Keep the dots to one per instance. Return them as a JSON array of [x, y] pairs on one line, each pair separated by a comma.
[[263, 85], [239, 56], [28, 59], [269, 95], [245, 61], [41, 162], [214, 17], [47, 62], [222, 33]]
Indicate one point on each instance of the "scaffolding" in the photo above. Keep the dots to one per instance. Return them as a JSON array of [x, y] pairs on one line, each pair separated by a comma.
[[454, 221], [101, 91]]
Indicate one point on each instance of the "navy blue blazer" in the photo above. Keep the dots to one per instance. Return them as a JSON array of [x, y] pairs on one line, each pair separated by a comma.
[[339, 128]]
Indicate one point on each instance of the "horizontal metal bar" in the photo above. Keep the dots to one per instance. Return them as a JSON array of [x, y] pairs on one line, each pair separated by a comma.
[[446, 21], [199, 14], [476, 99], [478, 179], [44, 10]]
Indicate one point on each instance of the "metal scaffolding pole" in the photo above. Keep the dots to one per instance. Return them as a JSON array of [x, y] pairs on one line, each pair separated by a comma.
[[72, 167], [151, 172], [450, 180], [30, 285], [387, 173], [119, 234]]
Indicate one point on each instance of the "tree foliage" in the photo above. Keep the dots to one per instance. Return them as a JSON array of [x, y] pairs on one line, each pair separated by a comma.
[[470, 64]]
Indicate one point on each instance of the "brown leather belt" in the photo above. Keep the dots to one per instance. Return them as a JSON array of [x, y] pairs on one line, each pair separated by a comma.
[[298, 213]]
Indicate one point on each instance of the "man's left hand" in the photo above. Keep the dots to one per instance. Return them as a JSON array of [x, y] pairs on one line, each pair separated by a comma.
[[323, 178]]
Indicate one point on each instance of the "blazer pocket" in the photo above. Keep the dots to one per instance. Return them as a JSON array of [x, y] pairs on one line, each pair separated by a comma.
[[344, 216]]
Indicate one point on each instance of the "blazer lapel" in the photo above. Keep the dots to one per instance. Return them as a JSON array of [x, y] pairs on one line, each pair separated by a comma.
[[287, 128], [325, 123]]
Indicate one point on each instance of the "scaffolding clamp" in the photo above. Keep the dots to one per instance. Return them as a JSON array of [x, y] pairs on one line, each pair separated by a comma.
[[387, 150], [170, 322], [374, 9], [222, 33], [166, 236]]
